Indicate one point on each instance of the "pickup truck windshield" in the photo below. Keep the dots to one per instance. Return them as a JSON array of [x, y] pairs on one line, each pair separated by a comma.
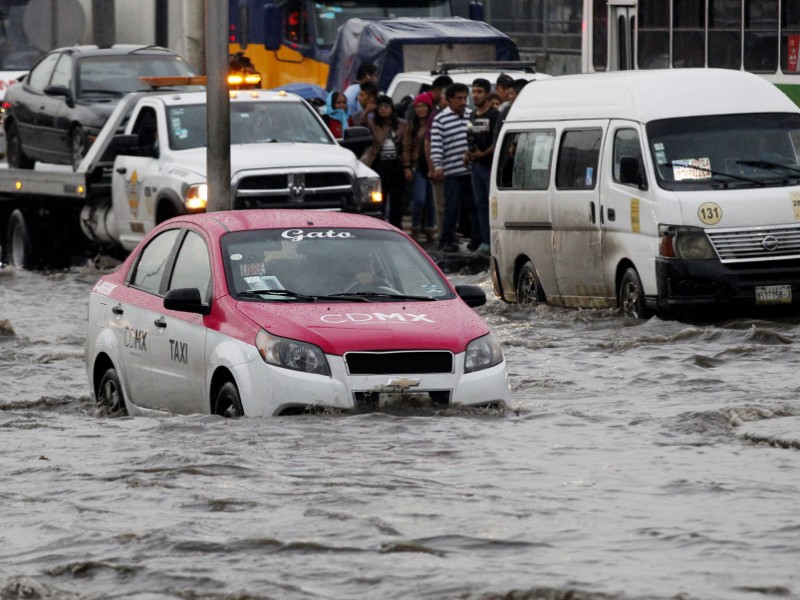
[[251, 123], [726, 151]]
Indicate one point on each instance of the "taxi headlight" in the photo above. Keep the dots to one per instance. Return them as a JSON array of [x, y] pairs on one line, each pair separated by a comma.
[[687, 243], [370, 190], [291, 354], [482, 353], [196, 196]]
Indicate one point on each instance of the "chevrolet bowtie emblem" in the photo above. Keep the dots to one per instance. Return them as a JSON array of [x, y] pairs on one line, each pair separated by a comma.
[[403, 382]]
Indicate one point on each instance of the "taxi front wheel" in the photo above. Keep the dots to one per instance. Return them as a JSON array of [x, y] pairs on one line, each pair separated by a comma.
[[227, 403], [109, 394]]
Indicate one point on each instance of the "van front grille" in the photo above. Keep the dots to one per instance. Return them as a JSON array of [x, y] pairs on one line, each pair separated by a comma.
[[756, 244]]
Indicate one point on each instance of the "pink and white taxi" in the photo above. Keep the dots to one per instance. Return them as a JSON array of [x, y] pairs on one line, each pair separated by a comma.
[[263, 313]]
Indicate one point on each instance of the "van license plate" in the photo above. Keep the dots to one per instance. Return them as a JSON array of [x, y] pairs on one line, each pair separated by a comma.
[[774, 294]]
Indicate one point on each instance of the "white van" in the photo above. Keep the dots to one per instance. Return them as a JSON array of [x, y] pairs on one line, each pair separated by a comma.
[[655, 191]]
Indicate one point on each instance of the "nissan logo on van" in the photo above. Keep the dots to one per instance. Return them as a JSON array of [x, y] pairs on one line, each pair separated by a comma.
[[770, 243]]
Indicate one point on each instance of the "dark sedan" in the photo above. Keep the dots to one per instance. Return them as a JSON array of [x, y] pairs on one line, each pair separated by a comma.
[[56, 111]]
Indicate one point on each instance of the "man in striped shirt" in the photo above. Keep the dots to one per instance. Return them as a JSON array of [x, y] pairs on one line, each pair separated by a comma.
[[448, 147]]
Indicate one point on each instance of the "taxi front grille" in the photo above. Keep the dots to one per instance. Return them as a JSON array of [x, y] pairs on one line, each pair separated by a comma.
[[371, 401], [757, 244], [332, 190], [398, 363]]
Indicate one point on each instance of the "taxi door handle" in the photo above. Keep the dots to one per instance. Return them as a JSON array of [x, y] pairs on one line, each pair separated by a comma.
[[117, 310], [160, 322], [122, 170]]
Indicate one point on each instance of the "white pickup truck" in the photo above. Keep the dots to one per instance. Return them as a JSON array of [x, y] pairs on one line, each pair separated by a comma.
[[282, 156]]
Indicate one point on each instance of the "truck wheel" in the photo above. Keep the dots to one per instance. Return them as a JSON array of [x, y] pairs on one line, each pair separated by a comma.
[[21, 250], [77, 146], [227, 403], [529, 289], [16, 157], [631, 296], [109, 394]]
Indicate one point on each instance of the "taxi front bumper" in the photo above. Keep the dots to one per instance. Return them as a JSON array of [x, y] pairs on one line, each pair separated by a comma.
[[266, 390]]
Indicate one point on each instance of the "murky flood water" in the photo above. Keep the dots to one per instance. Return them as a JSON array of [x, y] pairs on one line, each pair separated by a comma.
[[639, 460]]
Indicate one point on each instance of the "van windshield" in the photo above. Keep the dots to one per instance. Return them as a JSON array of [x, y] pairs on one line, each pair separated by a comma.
[[726, 151]]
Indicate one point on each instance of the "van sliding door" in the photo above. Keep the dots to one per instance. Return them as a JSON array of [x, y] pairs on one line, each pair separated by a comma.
[[577, 232]]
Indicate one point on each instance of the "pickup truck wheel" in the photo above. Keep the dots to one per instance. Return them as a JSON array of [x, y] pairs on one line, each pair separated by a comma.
[[227, 403], [631, 296], [20, 250], [109, 394], [529, 289], [77, 146], [14, 154]]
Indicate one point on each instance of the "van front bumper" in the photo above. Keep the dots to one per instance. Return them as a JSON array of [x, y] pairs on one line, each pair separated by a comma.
[[688, 283]]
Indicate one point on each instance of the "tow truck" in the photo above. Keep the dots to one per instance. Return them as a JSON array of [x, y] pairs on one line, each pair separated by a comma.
[[148, 164]]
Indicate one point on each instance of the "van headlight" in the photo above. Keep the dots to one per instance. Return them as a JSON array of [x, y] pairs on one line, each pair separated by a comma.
[[482, 353], [687, 243], [196, 197], [291, 354], [370, 191]]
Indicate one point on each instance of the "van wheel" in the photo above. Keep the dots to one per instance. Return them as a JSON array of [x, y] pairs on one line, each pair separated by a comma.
[[631, 296], [228, 404], [529, 289]]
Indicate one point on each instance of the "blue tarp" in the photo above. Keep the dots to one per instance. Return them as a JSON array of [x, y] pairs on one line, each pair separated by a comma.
[[308, 91], [382, 42]]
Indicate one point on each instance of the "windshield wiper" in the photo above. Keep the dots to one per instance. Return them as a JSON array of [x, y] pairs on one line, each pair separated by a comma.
[[715, 174], [284, 293], [114, 93], [768, 165], [367, 295]]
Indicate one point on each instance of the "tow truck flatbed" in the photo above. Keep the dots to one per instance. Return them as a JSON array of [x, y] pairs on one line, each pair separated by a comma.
[[46, 182]]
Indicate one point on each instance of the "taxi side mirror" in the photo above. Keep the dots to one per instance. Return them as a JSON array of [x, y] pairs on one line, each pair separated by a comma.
[[186, 300], [472, 295]]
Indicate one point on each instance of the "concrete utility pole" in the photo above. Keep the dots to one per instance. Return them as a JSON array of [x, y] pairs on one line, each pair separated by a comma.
[[218, 109], [103, 23], [162, 23]]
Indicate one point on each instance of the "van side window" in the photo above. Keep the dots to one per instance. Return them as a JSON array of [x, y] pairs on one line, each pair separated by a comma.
[[526, 160], [577, 159], [510, 156], [628, 149]]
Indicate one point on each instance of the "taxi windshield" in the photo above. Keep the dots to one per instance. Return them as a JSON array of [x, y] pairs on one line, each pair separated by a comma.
[[251, 123], [313, 264], [722, 151]]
